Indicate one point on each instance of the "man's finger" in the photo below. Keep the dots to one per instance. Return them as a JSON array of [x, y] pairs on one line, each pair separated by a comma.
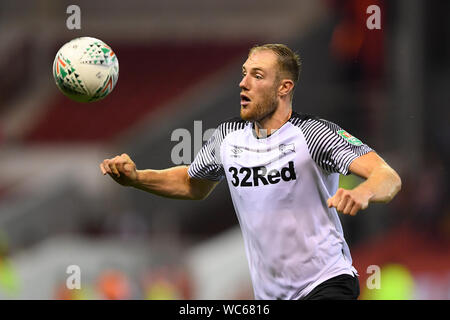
[[334, 200], [119, 167], [355, 209], [106, 166], [348, 208], [120, 164], [102, 169], [114, 168], [339, 191], [342, 203], [126, 157], [330, 202]]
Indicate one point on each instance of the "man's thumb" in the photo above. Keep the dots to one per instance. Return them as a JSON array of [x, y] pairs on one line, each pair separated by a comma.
[[329, 202]]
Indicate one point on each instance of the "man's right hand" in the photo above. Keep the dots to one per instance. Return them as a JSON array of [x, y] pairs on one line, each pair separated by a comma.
[[121, 168]]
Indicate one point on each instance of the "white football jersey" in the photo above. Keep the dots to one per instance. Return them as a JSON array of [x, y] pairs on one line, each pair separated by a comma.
[[279, 185]]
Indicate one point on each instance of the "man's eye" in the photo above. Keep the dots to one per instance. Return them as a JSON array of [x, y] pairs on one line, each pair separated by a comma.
[[258, 76]]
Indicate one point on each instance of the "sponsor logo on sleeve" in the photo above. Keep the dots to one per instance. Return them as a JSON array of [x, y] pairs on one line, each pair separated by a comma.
[[349, 138]]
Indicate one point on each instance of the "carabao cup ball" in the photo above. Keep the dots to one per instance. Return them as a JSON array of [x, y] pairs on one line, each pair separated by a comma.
[[86, 69]]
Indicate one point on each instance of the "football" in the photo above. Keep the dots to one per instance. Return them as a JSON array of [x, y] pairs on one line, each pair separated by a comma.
[[86, 69]]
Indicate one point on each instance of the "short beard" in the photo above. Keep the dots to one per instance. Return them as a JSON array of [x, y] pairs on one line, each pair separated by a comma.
[[266, 108]]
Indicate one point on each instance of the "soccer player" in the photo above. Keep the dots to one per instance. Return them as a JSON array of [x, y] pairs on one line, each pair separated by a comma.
[[282, 169]]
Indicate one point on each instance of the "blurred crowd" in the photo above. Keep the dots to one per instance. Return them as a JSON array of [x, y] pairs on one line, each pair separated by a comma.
[[165, 283]]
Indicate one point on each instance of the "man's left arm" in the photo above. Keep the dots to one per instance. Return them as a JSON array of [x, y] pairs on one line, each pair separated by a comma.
[[381, 185]]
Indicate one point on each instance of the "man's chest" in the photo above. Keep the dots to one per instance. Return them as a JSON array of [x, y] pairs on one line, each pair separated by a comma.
[[276, 160]]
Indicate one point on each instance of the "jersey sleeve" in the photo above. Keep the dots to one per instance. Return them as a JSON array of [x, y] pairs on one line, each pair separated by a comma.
[[207, 163], [331, 147]]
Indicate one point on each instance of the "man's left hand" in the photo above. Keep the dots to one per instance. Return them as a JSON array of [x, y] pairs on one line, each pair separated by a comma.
[[349, 201]]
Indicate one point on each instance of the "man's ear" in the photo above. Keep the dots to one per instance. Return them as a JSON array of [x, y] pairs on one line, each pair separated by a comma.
[[286, 86]]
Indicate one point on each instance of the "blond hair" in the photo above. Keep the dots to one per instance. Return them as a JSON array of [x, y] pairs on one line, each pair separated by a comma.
[[289, 63]]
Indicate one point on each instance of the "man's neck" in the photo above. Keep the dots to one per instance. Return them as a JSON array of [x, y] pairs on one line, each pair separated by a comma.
[[273, 122]]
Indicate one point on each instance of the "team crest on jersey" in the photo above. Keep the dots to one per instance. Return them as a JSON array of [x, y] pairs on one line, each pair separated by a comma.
[[286, 148], [349, 138]]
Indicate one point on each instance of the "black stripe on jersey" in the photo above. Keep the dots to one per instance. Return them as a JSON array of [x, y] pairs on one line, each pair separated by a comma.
[[327, 148], [207, 163]]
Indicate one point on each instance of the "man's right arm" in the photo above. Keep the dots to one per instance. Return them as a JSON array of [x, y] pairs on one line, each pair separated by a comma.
[[171, 183]]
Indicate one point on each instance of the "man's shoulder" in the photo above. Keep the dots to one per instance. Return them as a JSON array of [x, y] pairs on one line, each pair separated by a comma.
[[299, 119], [308, 121], [234, 120], [230, 125]]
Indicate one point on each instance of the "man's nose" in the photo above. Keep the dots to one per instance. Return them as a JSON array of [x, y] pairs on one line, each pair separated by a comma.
[[243, 84]]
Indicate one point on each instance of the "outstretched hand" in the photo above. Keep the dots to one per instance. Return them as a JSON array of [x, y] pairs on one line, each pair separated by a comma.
[[349, 201], [121, 168]]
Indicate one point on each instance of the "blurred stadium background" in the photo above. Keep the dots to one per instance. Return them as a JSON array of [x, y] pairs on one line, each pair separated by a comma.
[[179, 63]]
